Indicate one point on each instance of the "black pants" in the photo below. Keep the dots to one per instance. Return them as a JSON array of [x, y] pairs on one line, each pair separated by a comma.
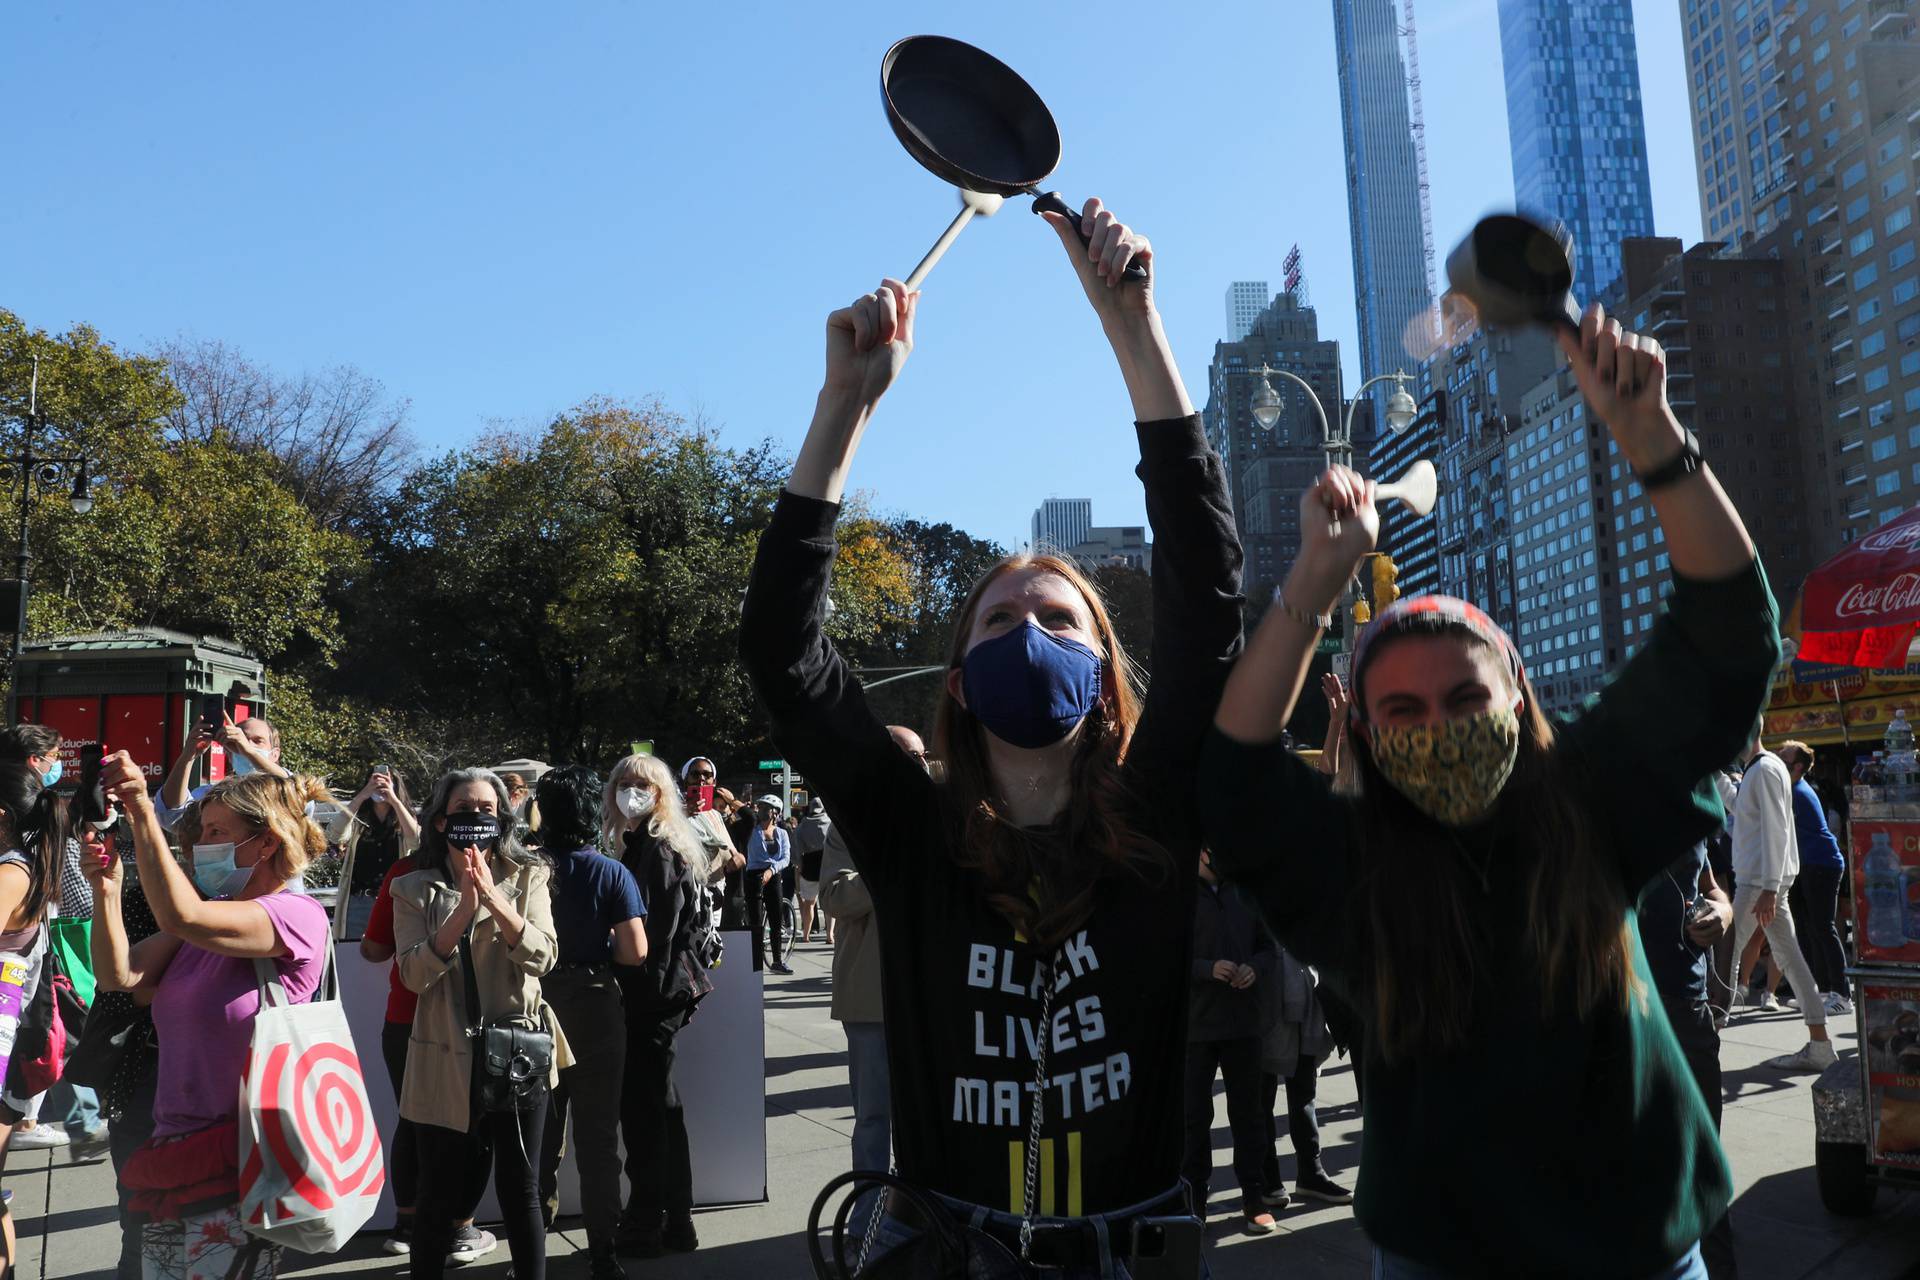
[[1239, 1062], [130, 1131], [766, 916], [1700, 1041], [659, 1167], [510, 1142], [1814, 899], [1303, 1124], [403, 1155]]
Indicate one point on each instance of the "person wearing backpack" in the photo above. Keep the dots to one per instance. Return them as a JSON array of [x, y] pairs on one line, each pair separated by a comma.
[[809, 843], [666, 856]]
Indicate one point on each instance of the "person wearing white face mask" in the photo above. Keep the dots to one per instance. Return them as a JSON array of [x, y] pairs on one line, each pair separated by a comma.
[[250, 837], [655, 841]]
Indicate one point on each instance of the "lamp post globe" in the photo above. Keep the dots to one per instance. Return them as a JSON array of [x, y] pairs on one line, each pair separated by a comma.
[[1401, 411], [1267, 405]]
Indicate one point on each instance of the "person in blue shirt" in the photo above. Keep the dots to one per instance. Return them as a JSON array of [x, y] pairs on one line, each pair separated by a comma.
[[768, 855], [599, 922], [1823, 868]]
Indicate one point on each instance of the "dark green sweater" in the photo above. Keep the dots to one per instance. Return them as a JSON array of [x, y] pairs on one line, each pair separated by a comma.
[[1563, 1145]]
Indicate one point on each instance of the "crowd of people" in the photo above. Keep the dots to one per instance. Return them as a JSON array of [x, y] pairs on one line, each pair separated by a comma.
[[1477, 904]]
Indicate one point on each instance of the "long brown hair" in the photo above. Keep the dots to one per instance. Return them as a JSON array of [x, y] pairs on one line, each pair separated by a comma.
[[1417, 953], [1044, 896]]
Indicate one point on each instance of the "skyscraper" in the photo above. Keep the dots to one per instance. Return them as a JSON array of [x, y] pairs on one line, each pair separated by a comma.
[[1390, 276], [1836, 118], [1267, 470], [1246, 299], [1575, 126], [1739, 147], [1062, 523]]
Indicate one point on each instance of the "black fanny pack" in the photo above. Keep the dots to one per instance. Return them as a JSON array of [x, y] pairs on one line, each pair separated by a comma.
[[513, 1055]]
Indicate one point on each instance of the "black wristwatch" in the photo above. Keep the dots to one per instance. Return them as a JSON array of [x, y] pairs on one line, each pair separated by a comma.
[[1679, 468]]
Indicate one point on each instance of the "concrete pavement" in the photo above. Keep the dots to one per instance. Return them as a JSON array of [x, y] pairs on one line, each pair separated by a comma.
[[67, 1224]]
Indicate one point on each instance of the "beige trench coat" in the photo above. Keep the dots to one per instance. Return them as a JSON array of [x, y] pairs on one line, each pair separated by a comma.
[[439, 1076]]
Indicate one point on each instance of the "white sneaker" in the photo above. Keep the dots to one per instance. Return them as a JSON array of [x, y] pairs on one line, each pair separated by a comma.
[[1838, 1006], [1818, 1055], [38, 1137], [1770, 1005]]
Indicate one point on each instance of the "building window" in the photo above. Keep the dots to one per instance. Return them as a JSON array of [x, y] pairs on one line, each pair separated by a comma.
[[1886, 483]]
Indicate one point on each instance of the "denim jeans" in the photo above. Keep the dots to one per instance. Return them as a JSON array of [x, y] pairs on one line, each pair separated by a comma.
[[1392, 1266], [872, 1104], [1114, 1251], [77, 1106]]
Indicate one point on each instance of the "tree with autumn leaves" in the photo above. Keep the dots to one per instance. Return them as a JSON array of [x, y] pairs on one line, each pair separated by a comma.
[[560, 591]]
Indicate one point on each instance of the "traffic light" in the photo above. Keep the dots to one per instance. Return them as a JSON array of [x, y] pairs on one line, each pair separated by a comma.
[[1361, 614], [1386, 581]]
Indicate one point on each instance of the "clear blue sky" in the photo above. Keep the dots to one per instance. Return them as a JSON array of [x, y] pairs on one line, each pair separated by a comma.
[[501, 209]]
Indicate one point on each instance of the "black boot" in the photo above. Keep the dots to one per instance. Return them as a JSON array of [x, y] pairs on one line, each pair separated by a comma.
[[680, 1236], [640, 1235], [603, 1263]]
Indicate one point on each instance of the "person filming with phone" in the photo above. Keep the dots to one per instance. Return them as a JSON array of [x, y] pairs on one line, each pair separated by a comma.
[[229, 903], [251, 745]]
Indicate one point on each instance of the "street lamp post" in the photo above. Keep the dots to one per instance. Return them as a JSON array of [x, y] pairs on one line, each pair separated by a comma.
[[1401, 411], [45, 470]]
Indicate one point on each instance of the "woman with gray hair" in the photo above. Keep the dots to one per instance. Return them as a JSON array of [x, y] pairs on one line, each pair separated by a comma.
[[647, 829], [474, 932]]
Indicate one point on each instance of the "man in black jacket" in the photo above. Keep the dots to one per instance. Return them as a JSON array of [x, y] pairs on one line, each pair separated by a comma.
[[1234, 960]]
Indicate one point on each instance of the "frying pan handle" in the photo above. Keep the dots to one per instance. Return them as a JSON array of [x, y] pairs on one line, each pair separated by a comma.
[[1050, 202]]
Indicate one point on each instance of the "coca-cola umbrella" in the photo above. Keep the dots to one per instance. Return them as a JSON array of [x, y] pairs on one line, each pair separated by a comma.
[[1861, 608]]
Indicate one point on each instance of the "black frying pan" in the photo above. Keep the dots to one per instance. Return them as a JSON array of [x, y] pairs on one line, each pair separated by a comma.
[[973, 122], [1516, 271]]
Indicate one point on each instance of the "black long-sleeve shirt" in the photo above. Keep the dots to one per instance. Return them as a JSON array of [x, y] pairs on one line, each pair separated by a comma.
[[1592, 1129], [960, 987]]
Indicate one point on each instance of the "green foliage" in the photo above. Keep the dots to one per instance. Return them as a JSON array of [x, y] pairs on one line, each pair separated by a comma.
[[556, 593], [197, 536]]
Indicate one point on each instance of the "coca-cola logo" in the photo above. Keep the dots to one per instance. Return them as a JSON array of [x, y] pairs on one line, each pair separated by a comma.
[[1904, 538], [1860, 599]]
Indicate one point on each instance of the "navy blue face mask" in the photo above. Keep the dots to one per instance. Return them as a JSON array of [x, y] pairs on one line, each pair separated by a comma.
[[1030, 687]]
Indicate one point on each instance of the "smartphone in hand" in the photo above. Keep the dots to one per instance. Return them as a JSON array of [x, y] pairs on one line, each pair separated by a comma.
[[96, 810]]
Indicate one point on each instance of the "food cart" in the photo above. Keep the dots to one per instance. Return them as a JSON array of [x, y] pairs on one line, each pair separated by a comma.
[[1857, 614]]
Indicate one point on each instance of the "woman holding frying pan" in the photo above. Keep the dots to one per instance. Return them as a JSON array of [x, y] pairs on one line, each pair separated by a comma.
[[1036, 904], [1474, 896]]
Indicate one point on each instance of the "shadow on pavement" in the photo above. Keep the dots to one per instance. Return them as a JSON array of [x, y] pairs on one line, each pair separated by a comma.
[[1783, 1232]]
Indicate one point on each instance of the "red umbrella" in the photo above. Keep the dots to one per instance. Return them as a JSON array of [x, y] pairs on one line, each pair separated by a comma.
[[1861, 608]]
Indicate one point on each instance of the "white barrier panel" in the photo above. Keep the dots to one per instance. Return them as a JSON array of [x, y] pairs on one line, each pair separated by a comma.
[[720, 1069]]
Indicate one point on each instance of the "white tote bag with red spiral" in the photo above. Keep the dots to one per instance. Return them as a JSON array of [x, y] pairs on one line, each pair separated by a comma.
[[311, 1168]]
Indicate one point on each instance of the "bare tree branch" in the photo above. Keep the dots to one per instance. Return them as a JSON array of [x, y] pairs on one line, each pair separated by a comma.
[[340, 441]]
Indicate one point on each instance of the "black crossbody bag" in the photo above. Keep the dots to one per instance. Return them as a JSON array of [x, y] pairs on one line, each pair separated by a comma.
[[513, 1056]]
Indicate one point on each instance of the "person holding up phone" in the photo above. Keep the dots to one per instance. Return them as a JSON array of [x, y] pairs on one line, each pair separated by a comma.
[[229, 905], [386, 829], [251, 745]]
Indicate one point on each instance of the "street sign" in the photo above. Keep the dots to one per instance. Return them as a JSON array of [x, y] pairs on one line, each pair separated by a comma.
[[1343, 665], [773, 764]]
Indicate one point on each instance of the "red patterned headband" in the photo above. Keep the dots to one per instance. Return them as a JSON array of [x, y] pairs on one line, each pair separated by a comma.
[[1431, 614]]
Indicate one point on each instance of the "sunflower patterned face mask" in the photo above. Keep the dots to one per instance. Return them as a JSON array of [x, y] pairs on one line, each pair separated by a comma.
[[1452, 771]]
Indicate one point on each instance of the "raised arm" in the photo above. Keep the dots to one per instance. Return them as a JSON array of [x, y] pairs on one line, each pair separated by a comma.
[[1686, 702], [241, 929], [820, 716]]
